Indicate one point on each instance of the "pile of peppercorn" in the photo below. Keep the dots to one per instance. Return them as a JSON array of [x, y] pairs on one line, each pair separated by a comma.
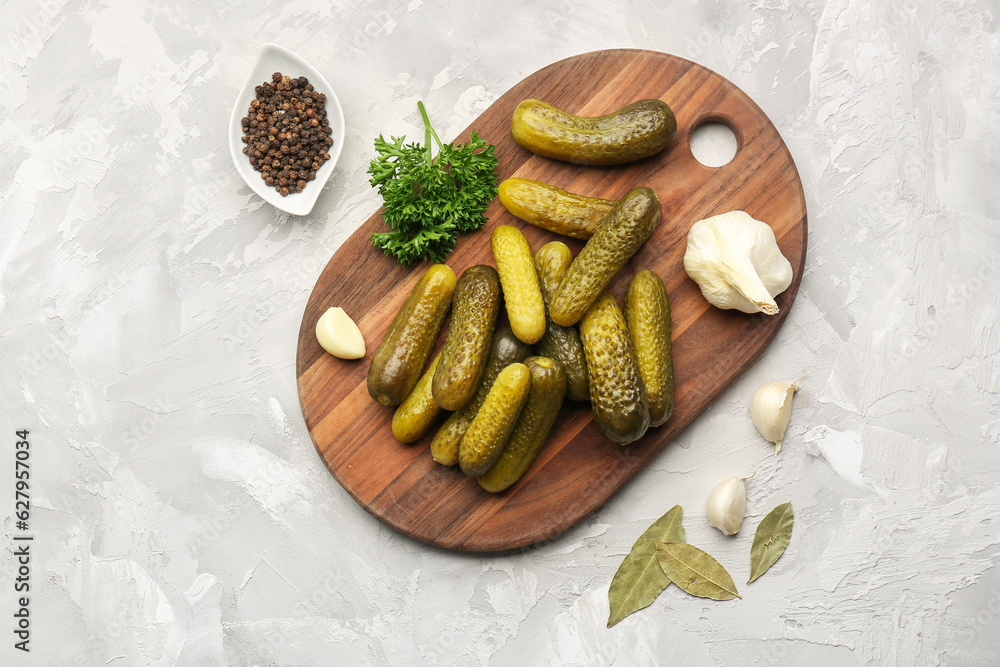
[[286, 132]]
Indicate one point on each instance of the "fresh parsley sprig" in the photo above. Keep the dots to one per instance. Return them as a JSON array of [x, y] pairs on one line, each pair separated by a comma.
[[430, 201]]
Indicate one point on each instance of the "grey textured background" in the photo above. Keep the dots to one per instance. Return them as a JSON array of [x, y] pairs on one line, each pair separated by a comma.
[[150, 308]]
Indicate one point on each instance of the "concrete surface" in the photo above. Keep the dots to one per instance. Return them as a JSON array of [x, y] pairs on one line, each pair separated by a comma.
[[150, 307]]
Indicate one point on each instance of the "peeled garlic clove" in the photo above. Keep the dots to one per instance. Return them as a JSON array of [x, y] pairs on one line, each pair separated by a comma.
[[726, 505], [771, 408], [339, 335]]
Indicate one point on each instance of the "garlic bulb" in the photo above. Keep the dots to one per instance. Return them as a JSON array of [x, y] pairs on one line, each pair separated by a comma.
[[736, 262], [339, 335], [771, 408], [726, 505]]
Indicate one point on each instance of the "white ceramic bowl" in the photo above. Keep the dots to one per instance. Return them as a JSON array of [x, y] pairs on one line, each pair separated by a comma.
[[273, 58]]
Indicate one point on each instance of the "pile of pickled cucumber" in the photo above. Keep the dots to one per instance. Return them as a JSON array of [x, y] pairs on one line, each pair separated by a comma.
[[568, 337]]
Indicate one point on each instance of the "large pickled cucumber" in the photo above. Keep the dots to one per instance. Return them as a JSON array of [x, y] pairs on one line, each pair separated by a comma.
[[548, 386], [559, 342], [647, 312], [521, 293], [506, 349], [622, 233], [400, 358], [617, 394], [475, 306], [489, 431], [636, 131], [551, 208], [418, 410]]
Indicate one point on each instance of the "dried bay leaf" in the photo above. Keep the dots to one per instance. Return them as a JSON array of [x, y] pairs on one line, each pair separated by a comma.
[[771, 538], [695, 572], [639, 578]]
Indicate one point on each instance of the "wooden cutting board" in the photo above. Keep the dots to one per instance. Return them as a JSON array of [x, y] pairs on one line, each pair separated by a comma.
[[578, 470]]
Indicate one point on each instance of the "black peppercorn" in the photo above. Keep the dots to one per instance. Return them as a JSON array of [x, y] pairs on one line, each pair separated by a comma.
[[287, 132]]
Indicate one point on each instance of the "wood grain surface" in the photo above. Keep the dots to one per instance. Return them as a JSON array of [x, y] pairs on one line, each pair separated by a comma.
[[578, 470]]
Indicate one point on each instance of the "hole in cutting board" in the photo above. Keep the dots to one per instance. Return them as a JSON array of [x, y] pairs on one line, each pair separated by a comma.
[[713, 144]]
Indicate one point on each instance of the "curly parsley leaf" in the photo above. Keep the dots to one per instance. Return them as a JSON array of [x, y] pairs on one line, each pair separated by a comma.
[[430, 201]]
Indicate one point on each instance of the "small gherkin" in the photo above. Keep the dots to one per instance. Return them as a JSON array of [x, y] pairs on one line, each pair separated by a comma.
[[635, 131], [505, 349], [617, 394], [545, 398], [627, 227], [647, 312], [493, 424], [559, 342], [399, 360], [475, 306]]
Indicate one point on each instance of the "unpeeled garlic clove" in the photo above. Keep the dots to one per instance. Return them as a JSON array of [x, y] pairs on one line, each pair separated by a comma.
[[726, 505], [771, 408], [339, 335]]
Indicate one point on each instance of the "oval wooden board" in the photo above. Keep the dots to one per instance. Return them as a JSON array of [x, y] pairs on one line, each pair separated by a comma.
[[578, 470]]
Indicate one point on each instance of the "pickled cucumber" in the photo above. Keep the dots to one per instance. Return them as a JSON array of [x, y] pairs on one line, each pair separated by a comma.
[[622, 233], [521, 293], [505, 349], [475, 306], [633, 132], [551, 208], [548, 386], [400, 358], [617, 394], [418, 410], [493, 424], [559, 342], [647, 312]]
